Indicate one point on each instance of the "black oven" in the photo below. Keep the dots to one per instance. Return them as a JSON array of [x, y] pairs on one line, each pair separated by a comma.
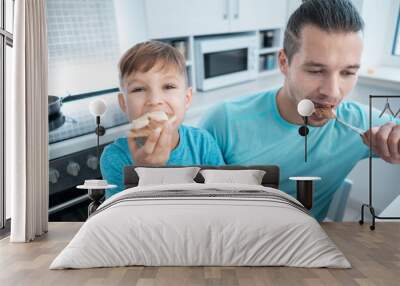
[[66, 202], [73, 152]]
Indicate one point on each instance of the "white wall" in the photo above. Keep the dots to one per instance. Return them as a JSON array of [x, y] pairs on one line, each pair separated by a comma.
[[292, 5], [376, 32]]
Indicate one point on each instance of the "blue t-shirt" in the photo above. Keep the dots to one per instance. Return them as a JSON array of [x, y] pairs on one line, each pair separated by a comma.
[[250, 130], [195, 147]]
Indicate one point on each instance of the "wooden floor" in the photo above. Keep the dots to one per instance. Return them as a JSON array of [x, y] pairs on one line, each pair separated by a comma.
[[374, 255]]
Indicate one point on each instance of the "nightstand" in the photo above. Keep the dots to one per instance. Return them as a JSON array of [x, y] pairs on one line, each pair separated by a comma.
[[305, 189], [96, 195]]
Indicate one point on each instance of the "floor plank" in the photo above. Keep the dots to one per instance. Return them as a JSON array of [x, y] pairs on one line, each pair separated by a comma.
[[374, 255]]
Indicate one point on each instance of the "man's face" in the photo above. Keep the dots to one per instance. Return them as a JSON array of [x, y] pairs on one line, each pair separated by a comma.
[[156, 90], [324, 69]]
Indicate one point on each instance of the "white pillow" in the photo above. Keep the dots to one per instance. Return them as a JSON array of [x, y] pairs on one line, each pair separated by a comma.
[[249, 177], [165, 176]]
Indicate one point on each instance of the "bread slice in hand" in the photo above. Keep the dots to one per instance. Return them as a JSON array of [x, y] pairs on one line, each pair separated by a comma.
[[147, 123]]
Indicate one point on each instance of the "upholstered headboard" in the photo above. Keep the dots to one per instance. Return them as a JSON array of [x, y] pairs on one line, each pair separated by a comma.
[[270, 179]]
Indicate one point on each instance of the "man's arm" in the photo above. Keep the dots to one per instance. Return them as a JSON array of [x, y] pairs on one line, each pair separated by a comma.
[[385, 141], [385, 136]]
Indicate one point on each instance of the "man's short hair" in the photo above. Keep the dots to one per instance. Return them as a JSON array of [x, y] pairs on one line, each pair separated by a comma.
[[327, 15], [144, 56]]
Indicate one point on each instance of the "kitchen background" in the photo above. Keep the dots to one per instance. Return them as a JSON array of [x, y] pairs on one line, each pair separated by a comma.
[[86, 39]]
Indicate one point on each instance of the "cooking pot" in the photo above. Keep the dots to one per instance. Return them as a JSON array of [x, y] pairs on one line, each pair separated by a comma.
[[55, 103]]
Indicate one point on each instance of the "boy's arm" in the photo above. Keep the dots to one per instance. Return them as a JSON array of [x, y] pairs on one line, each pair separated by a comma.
[[111, 167], [156, 149], [212, 153], [216, 124]]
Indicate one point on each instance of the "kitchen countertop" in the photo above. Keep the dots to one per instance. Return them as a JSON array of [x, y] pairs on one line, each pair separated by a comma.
[[381, 76], [374, 255], [204, 100]]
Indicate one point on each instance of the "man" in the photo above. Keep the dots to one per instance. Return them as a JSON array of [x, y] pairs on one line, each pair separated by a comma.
[[320, 59]]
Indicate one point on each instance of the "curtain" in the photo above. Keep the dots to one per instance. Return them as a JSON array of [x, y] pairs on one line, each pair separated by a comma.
[[27, 122]]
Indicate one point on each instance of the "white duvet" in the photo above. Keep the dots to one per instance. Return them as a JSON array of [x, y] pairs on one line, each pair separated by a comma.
[[207, 230]]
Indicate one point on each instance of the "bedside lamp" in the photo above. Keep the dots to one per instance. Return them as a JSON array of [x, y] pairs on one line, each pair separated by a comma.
[[97, 108], [305, 108], [96, 188], [305, 185]]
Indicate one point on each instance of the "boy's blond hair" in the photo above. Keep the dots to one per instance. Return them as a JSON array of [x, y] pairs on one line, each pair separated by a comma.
[[144, 56]]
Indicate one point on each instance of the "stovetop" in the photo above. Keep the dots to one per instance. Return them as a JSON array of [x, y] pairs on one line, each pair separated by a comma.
[[79, 121], [56, 121]]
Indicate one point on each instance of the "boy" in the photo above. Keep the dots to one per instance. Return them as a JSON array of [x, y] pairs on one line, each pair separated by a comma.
[[153, 79]]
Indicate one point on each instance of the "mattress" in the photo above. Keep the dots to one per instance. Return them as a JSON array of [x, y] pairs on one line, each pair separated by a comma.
[[201, 225]]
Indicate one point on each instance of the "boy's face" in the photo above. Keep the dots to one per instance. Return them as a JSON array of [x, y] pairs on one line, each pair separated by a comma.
[[324, 69], [155, 90]]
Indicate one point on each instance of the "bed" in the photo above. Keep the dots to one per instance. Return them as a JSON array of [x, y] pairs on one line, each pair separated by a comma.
[[201, 224]]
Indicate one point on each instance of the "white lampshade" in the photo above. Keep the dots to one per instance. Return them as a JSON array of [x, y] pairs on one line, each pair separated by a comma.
[[97, 107], [305, 107]]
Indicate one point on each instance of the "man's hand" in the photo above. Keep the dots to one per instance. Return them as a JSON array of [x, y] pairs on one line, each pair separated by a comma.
[[156, 150], [385, 141]]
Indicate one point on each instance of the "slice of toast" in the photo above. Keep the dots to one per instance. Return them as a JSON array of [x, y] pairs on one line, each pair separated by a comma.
[[147, 123]]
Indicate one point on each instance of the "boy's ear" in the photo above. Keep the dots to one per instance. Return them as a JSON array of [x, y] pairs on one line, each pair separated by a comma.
[[283, 62], [188, 97], [121, 101]]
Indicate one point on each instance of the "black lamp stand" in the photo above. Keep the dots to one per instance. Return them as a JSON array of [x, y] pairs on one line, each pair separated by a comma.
[[100, 131], [303, 131], [96, 195]]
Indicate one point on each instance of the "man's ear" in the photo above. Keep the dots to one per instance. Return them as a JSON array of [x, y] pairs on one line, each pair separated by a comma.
[[283, 62], [188, 97], [121, 101]]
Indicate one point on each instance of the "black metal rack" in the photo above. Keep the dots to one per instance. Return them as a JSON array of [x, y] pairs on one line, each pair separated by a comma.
[[370, 206]]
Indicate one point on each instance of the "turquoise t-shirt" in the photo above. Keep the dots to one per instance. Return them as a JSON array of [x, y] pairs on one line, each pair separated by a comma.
[[195, 147], [250, 130]]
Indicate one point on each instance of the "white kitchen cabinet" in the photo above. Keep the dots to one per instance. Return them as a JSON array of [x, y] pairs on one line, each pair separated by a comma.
[[130, 22], [257, 14], [177, 18]]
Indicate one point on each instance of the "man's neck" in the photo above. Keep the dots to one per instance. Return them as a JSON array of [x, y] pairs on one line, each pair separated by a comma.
[[287, 108]]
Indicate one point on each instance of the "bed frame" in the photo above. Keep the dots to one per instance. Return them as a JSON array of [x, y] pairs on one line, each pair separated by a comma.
[[270, 179]]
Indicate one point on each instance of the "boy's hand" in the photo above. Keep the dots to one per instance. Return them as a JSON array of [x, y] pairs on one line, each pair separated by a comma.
[[157, 148], [385, 141]]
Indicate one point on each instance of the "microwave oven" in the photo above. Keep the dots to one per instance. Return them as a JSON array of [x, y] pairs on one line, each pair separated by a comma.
[[225, 60]]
